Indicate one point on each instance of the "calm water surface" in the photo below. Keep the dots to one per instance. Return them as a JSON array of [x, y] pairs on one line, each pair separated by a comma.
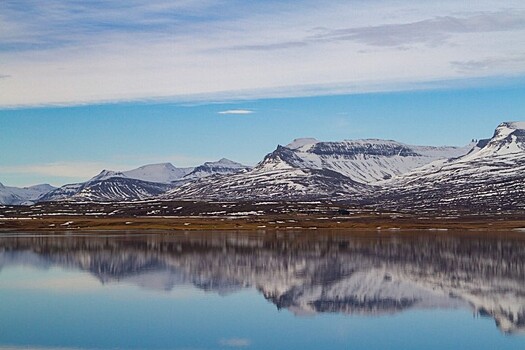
[[262, 291]]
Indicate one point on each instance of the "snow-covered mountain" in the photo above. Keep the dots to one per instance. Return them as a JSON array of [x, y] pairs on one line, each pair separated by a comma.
[[222, 166], [147, 181], [367, 161], [307, 169], [279, 176], [116, 188], [24, 195], [162, 173], [492, 175]]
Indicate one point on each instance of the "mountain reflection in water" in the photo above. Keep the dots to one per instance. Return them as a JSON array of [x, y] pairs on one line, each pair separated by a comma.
[[306, 273]]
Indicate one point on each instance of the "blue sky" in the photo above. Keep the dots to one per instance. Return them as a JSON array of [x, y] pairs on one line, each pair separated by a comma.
[[86, 85]]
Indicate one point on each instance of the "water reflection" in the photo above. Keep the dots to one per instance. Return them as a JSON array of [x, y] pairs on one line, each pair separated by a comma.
[[306, 273]]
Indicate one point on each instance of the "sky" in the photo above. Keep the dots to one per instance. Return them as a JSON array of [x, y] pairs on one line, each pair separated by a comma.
[[88, 85]]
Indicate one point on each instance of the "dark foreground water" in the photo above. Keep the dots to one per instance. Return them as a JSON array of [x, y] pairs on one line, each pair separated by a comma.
[[262, 291]]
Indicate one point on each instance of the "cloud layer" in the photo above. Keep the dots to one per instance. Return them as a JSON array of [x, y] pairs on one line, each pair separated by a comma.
[[79, 52]]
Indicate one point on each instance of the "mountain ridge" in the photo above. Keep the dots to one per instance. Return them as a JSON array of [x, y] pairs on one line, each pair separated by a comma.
[[491, 175], [486, 173]]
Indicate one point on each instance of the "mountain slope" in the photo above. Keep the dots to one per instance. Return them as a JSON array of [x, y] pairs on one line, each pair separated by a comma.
[[277, 177], [491, 176], [222, 166], [309, 169], [144, 182], [111, 189], [371, 160], [162, 173], [25, 195]]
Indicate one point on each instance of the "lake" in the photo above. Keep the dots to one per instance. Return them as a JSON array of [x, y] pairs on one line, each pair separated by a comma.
[[261, 290]]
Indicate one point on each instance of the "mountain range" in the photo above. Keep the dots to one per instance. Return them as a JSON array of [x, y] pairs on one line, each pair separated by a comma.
[[144, 182], [488, 172], [24, 195]]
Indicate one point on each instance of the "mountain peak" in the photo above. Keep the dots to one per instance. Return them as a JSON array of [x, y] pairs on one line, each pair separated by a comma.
[[42, 187], [509, 137], [505, 129], [225, 162], [166, 165], [302, 142], [222, 166], [282, 157], [514, 125], [105, 174], [159, 172]]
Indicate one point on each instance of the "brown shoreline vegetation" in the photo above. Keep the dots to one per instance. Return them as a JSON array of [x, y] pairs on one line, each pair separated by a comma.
[[263, 216]]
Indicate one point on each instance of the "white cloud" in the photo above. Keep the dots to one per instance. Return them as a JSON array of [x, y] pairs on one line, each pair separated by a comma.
[[191, 50], [236, 111], [59, 169]]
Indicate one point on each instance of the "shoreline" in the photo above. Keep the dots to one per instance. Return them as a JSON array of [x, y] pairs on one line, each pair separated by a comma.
[[261, 223], [245, 216]]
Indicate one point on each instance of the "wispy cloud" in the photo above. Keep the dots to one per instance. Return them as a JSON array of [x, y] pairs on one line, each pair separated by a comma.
[[236, 111], [431, 31], [72, 170], [235, 342], [488, 64], [78, 52]]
